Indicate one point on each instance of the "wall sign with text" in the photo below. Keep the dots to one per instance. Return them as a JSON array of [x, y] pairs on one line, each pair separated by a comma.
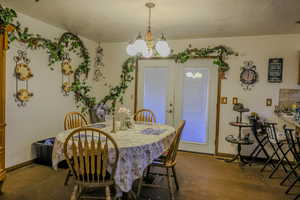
[[275, 70]]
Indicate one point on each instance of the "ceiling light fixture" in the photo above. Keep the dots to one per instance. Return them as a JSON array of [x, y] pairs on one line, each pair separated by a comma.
[[146, 48]]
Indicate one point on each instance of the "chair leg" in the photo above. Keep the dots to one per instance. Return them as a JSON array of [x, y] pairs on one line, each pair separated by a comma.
[[67, 177], [74, 195], [175, 177], [291, 172], [276, 168], [279, 148], [148, 171], [139, 187], [107, 193], [297, 197], [285, 158], [1, 185], [267, 162], [170, 186], [292, 185]]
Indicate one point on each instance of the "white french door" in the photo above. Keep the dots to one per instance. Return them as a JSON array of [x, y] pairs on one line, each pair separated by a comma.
[[182, 91]]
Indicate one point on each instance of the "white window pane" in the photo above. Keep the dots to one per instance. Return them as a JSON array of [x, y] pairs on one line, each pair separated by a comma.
[[195, 104], [155, 91]]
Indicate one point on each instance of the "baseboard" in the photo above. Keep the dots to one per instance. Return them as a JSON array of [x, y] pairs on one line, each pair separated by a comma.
[[226, 155], [18, 166], [210, 154]]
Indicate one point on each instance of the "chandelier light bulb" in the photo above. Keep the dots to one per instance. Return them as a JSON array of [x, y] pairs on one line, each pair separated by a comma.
[[140, 45], [163, 48], [131, 50]]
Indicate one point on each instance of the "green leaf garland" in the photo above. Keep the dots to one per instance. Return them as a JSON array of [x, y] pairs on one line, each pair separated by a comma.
[[70, 42]]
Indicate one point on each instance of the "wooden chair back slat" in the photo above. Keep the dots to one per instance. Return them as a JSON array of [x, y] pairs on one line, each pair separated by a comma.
[[89, 155], [74, 120], [81, 159], [93, 154], [75, 159], [172, 152], [145, 115], [104, 160], [99, 160]]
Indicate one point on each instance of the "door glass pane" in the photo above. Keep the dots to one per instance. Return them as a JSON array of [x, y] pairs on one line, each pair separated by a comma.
[[155, 91], [195, 104]]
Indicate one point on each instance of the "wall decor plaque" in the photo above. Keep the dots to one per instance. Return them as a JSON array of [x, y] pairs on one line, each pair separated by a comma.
[[66, 71], [23, 74], [275, 70], [248, 76]]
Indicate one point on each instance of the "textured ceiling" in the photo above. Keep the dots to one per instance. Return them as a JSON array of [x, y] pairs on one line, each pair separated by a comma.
[[121, 20]]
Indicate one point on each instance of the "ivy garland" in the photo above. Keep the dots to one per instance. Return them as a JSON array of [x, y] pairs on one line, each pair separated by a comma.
[[72, 43], [219, 52]]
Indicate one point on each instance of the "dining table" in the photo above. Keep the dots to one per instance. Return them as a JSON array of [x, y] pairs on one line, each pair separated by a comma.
[[138, 147]]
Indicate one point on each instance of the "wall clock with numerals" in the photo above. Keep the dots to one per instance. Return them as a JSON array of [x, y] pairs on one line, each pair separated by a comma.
[[248, 76]]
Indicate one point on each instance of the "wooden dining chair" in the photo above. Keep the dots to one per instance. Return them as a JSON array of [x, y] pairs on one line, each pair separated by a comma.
[[74, 120], [168, 162], [88, 152], [145, 115]]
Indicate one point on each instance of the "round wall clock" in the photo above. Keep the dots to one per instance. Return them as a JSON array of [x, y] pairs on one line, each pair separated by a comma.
[[248, 76]]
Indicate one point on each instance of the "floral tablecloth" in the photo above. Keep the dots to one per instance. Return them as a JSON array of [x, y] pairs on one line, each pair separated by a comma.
[[138, 148]]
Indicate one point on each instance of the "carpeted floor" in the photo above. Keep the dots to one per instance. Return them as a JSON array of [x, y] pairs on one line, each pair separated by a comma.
[[201, 177]]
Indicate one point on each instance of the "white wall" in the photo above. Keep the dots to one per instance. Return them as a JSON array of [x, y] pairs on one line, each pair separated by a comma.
[[256, 48], [43, 115]]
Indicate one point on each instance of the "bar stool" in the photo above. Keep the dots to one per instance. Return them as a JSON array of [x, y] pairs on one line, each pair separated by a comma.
[[276, 140], [259, 131], [294, 148]]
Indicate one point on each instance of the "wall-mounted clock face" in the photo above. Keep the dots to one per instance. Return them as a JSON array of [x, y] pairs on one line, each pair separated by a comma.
[[248, 76]]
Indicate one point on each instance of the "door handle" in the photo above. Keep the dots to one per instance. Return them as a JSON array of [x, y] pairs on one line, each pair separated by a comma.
[[170, 111]]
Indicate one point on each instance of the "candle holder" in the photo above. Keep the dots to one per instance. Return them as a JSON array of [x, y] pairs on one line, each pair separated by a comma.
[[113, 116], [113, 123]]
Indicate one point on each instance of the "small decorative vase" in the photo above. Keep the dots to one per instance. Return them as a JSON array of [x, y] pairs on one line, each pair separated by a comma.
[[124, 126], [93, 116]]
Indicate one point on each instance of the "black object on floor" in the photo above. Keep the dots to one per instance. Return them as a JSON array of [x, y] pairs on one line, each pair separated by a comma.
[[44, 150]]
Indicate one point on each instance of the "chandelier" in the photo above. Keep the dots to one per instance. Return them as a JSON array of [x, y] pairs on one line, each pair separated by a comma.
[[147, 48]]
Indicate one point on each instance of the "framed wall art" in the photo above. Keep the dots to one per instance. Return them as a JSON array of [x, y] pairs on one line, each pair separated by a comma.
[[275, 68]]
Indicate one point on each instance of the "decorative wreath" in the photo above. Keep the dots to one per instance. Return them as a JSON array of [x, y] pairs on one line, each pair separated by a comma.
[[66, 67], [66, 87], [24, 95], [23, 72]]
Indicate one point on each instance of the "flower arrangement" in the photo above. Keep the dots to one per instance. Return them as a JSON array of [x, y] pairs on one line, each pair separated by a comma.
[[101, 110]]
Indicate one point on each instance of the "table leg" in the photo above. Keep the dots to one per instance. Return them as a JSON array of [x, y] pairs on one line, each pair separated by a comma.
[[233, 159]]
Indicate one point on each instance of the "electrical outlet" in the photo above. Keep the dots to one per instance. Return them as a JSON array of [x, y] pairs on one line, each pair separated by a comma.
[[268, 102], [223, 100], [235, 100]]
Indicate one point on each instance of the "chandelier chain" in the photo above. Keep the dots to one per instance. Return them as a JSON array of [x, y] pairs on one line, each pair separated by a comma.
[[149, 20]]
